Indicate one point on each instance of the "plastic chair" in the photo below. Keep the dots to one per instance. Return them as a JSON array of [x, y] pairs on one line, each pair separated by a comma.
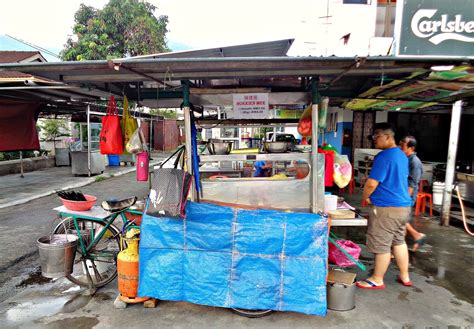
[[421, 203]]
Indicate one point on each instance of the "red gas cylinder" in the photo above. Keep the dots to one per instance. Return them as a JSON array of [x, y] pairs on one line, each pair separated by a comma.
[[127, 270]]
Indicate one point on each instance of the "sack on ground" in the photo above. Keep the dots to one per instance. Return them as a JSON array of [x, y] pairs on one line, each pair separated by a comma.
[[337, 257]]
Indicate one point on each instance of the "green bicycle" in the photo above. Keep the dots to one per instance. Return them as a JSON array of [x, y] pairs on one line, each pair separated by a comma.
[[95, 262]]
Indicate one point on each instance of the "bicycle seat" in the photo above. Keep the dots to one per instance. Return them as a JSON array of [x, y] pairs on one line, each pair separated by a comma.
[[118, 205]]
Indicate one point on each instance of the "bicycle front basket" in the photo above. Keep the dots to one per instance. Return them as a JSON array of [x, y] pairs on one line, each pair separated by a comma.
[[169, 192]]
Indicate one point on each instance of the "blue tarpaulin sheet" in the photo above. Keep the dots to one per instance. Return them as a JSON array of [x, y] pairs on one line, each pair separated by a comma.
[[228, 257]]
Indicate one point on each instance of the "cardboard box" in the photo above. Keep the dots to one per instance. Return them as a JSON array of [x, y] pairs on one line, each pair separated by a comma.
[[336, 276]]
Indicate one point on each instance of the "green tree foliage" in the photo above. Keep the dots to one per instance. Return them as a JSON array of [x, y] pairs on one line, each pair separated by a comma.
[[167, 114], [52, 129], [123, 28]]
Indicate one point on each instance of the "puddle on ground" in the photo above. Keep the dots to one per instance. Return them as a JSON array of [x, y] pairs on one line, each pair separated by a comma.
[[82, 322], [102, 296], [34, 278], [403, 296], [40, 308], [75, 303]]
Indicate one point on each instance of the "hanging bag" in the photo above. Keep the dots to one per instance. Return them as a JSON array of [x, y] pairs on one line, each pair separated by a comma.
[[111, 140], [169, 189], [129, 123], [136, 143], [142, 164]]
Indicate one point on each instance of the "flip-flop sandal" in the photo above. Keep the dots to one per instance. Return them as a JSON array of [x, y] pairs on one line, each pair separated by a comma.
[[418, 243], [371, 285], [408, 283]]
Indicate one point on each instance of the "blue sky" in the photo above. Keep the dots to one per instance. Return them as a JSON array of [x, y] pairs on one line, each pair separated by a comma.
[[193, 24], [198, 24]]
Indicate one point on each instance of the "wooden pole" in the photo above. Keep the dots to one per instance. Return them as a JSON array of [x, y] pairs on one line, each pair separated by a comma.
[[187, 134]]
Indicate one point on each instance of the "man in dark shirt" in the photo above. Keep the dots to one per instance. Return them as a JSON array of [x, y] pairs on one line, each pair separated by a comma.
[[407, 145], [386, 190]]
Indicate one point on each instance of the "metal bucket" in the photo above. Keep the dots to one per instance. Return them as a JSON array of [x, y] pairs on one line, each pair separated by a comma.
[[341, 297], [57, 252]]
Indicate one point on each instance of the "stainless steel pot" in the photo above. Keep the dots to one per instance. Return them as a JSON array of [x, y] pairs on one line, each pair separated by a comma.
[[276, 147], [219, 148]]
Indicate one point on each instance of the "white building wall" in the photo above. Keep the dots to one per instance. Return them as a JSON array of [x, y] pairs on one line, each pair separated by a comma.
[[327, 21]]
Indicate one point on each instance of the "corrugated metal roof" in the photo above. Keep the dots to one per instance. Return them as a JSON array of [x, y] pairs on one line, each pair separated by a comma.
[[341, 79], [259, 49]]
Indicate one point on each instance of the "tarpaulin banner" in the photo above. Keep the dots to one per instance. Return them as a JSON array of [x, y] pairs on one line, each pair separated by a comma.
[[18, 126], [227, 257]]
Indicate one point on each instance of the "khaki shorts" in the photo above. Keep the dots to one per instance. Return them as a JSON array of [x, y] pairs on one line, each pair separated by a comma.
[[386, 228]]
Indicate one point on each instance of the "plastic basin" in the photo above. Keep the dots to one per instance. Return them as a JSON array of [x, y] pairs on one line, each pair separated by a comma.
[[80, 205]]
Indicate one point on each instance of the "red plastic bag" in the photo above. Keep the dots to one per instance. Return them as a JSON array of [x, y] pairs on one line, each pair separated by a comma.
[[336, 256], [111, 139], [305, 123]]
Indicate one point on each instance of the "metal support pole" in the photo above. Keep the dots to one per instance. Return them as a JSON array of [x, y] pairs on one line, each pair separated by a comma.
[[88, 140], [315, 98], [21, 165], [451, 162], [187, 134], [151, 135]]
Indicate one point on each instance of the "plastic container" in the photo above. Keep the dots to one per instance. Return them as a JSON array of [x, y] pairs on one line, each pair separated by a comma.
[[438, 190], [80, 205], [142, 166], [114, 160], [57, 253], [330, 202]]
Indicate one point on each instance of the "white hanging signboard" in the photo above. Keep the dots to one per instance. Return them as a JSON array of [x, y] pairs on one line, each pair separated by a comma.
[[250, 106]]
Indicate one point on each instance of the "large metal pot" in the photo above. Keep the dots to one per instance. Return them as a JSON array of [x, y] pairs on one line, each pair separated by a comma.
[[219, 148], [276, 147]]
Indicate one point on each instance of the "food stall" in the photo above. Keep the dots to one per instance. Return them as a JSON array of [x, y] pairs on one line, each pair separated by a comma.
[[252, 243]]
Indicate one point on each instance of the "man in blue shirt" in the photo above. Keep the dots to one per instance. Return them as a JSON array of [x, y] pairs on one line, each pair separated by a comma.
[[386, 190]]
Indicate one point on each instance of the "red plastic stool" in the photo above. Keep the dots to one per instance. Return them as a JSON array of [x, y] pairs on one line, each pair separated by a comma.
[[421, 203], [422, 184]]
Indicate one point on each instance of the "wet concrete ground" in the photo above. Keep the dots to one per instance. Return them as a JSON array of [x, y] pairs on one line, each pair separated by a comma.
[[442, 295]]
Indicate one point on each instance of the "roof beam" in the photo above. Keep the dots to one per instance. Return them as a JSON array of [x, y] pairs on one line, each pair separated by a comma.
[[117, 66]]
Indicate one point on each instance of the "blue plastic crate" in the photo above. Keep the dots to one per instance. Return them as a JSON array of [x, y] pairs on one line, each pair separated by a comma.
[[114, 160]]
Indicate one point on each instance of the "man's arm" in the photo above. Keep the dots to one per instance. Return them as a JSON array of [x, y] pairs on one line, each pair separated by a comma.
[[369, 188]]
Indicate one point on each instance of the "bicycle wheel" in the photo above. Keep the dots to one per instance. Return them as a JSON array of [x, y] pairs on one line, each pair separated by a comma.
[[100, 262], [251, 313]]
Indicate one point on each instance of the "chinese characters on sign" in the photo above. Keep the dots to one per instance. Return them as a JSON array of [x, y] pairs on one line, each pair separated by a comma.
[[250, 106]]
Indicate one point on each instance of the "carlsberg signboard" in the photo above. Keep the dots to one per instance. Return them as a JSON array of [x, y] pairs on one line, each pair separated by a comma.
[[443, 28]]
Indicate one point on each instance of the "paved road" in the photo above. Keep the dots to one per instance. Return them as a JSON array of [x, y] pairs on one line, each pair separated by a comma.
[[22, 225]]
